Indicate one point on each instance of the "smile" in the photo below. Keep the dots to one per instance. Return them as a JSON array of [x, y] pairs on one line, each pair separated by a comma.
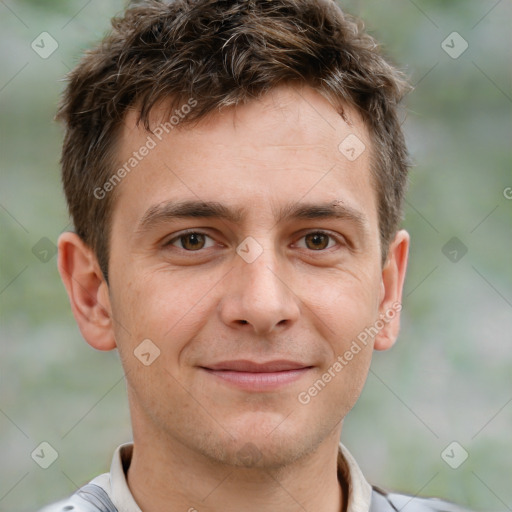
[[251, 376]]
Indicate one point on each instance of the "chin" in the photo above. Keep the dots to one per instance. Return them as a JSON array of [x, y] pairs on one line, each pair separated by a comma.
[[263, 444]]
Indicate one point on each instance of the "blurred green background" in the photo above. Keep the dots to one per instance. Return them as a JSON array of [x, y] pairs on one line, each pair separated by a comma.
[[449, 378]]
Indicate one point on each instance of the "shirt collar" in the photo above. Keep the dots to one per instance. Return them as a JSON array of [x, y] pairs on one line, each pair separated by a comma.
[[359, 489], [120, 492]]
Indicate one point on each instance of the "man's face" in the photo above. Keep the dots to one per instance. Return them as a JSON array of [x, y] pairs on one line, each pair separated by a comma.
[[287, 278]]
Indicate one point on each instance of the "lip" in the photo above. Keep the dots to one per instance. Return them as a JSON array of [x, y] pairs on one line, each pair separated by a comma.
[[252, 376], [244, 365]]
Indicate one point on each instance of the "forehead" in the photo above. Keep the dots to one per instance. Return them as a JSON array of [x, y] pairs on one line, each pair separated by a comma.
[[288, 146], [287, 116]]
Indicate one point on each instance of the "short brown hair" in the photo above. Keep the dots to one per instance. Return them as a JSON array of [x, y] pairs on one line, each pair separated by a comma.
[[223, 53]]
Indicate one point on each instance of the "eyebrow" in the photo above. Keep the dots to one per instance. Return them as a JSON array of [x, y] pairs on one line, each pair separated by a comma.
[[171, 210]]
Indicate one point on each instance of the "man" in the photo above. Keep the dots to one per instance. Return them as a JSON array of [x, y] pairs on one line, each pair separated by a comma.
[[235, 172]]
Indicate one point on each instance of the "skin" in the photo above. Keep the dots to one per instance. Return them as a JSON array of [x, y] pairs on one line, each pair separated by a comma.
[[201, 442]]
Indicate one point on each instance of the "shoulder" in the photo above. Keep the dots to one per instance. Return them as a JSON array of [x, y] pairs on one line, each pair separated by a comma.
[[391, 502], [93, 497]]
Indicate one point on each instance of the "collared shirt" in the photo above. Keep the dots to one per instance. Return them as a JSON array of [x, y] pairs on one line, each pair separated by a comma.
[[116, 486]]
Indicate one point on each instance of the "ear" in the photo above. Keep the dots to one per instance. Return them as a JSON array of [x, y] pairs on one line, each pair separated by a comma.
[[87, 291], [393, 276]]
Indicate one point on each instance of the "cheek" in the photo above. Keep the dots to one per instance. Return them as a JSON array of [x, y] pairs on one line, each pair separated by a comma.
[[343, 307], [160, 307], [349, 312]]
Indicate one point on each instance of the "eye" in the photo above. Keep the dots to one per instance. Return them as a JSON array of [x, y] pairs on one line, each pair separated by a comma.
[[192, 241], [318, 241]]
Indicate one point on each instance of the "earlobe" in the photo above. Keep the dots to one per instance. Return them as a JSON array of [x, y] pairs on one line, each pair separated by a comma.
[[393, 277], [87, 291]]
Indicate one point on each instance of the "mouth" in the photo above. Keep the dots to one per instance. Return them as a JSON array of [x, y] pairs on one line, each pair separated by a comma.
[[253, 376]]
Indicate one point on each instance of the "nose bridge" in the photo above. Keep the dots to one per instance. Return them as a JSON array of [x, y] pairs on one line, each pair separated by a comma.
[[258, 294], [261, 277]]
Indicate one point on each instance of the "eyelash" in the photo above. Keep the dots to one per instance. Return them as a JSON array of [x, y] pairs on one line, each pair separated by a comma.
[[338, 240]]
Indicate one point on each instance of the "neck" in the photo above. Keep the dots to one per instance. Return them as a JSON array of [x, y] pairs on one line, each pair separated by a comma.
[[169, 476]]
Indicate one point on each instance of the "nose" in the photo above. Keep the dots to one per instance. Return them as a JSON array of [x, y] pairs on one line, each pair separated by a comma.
[[259, 296]]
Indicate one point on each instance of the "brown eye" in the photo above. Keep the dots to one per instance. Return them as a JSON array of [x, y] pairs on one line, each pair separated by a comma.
[[192, 241], [317, 241]]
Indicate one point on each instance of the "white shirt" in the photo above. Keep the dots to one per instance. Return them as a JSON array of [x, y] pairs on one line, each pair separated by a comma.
[[114, 483]]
